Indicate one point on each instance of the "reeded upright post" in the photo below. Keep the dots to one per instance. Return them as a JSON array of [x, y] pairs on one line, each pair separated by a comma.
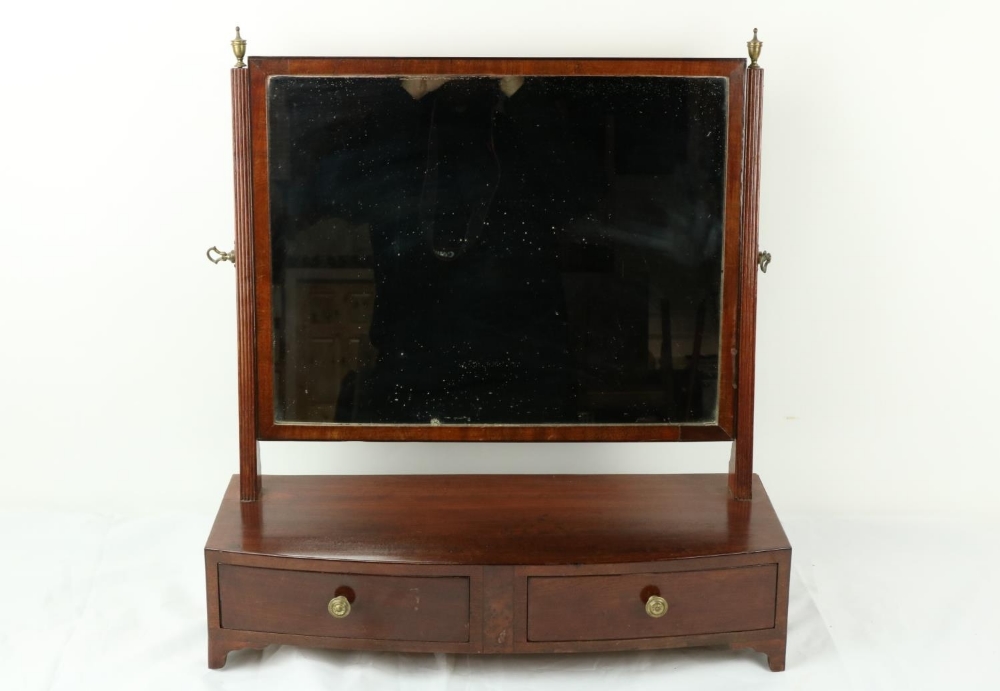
[[741, 459], [245, 306]]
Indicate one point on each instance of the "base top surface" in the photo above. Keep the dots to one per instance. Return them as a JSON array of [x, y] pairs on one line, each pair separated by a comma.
[[496, 519]]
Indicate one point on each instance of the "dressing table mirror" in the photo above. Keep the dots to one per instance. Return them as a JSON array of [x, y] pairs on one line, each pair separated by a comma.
[[504, 250]]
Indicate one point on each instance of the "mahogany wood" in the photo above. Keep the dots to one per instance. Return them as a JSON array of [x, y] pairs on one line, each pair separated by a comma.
[[580, 608], [526, 564], [261, 69], [229, 640], [498, 616], [774, 644], [741, 458], [494, 433], [217, 650], [395, 608], [572, 538], [245, 308], [497, 519]]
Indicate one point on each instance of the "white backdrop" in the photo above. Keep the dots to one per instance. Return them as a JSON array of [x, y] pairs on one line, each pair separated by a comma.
[[878, 320]]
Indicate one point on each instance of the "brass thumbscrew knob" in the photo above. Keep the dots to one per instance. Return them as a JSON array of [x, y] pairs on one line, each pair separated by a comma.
[[215, 255], [763, 260]]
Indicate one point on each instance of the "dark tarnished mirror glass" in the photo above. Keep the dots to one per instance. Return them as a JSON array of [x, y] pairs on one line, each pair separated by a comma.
[[544, 250]]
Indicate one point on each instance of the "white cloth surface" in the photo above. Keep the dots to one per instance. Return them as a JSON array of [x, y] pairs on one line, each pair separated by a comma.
[[877, 602]]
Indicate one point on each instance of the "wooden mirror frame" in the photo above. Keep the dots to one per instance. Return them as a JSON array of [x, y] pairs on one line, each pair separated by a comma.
[[253, 261]]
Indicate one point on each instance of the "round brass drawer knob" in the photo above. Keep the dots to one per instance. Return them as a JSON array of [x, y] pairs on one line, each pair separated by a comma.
[[339, 607], [656, 606]]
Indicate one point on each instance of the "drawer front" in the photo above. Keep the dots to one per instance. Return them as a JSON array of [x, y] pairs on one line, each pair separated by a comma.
[[593, 608], [390, 608]]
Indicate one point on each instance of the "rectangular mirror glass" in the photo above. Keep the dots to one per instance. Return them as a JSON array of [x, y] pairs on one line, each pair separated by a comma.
[[478, 250]]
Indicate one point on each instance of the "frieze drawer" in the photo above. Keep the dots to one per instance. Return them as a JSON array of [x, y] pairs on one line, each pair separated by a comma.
[[344, 605], [651, 605]]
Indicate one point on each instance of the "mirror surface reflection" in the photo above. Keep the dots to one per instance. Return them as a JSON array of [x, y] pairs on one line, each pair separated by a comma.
[[476, 250]]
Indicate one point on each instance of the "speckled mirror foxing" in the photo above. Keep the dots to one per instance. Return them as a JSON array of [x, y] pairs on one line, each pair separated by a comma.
[[477, 250]]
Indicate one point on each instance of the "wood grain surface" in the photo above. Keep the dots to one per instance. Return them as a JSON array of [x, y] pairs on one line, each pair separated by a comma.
[[497, 519], [394, 608], [246, 362], [575, 539], [591, 608], [741, 459]]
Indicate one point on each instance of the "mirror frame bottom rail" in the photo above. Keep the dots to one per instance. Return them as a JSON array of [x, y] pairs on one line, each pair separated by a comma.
[[494, 433]]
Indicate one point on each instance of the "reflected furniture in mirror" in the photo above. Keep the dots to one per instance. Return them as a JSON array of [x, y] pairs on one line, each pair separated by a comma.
[[508, 250]]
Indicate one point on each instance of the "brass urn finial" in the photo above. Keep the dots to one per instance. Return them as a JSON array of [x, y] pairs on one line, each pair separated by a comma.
[[753, 47], [239, 48]]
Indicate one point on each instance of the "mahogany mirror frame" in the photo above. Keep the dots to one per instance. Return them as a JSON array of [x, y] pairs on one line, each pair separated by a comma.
[[253, 260]]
